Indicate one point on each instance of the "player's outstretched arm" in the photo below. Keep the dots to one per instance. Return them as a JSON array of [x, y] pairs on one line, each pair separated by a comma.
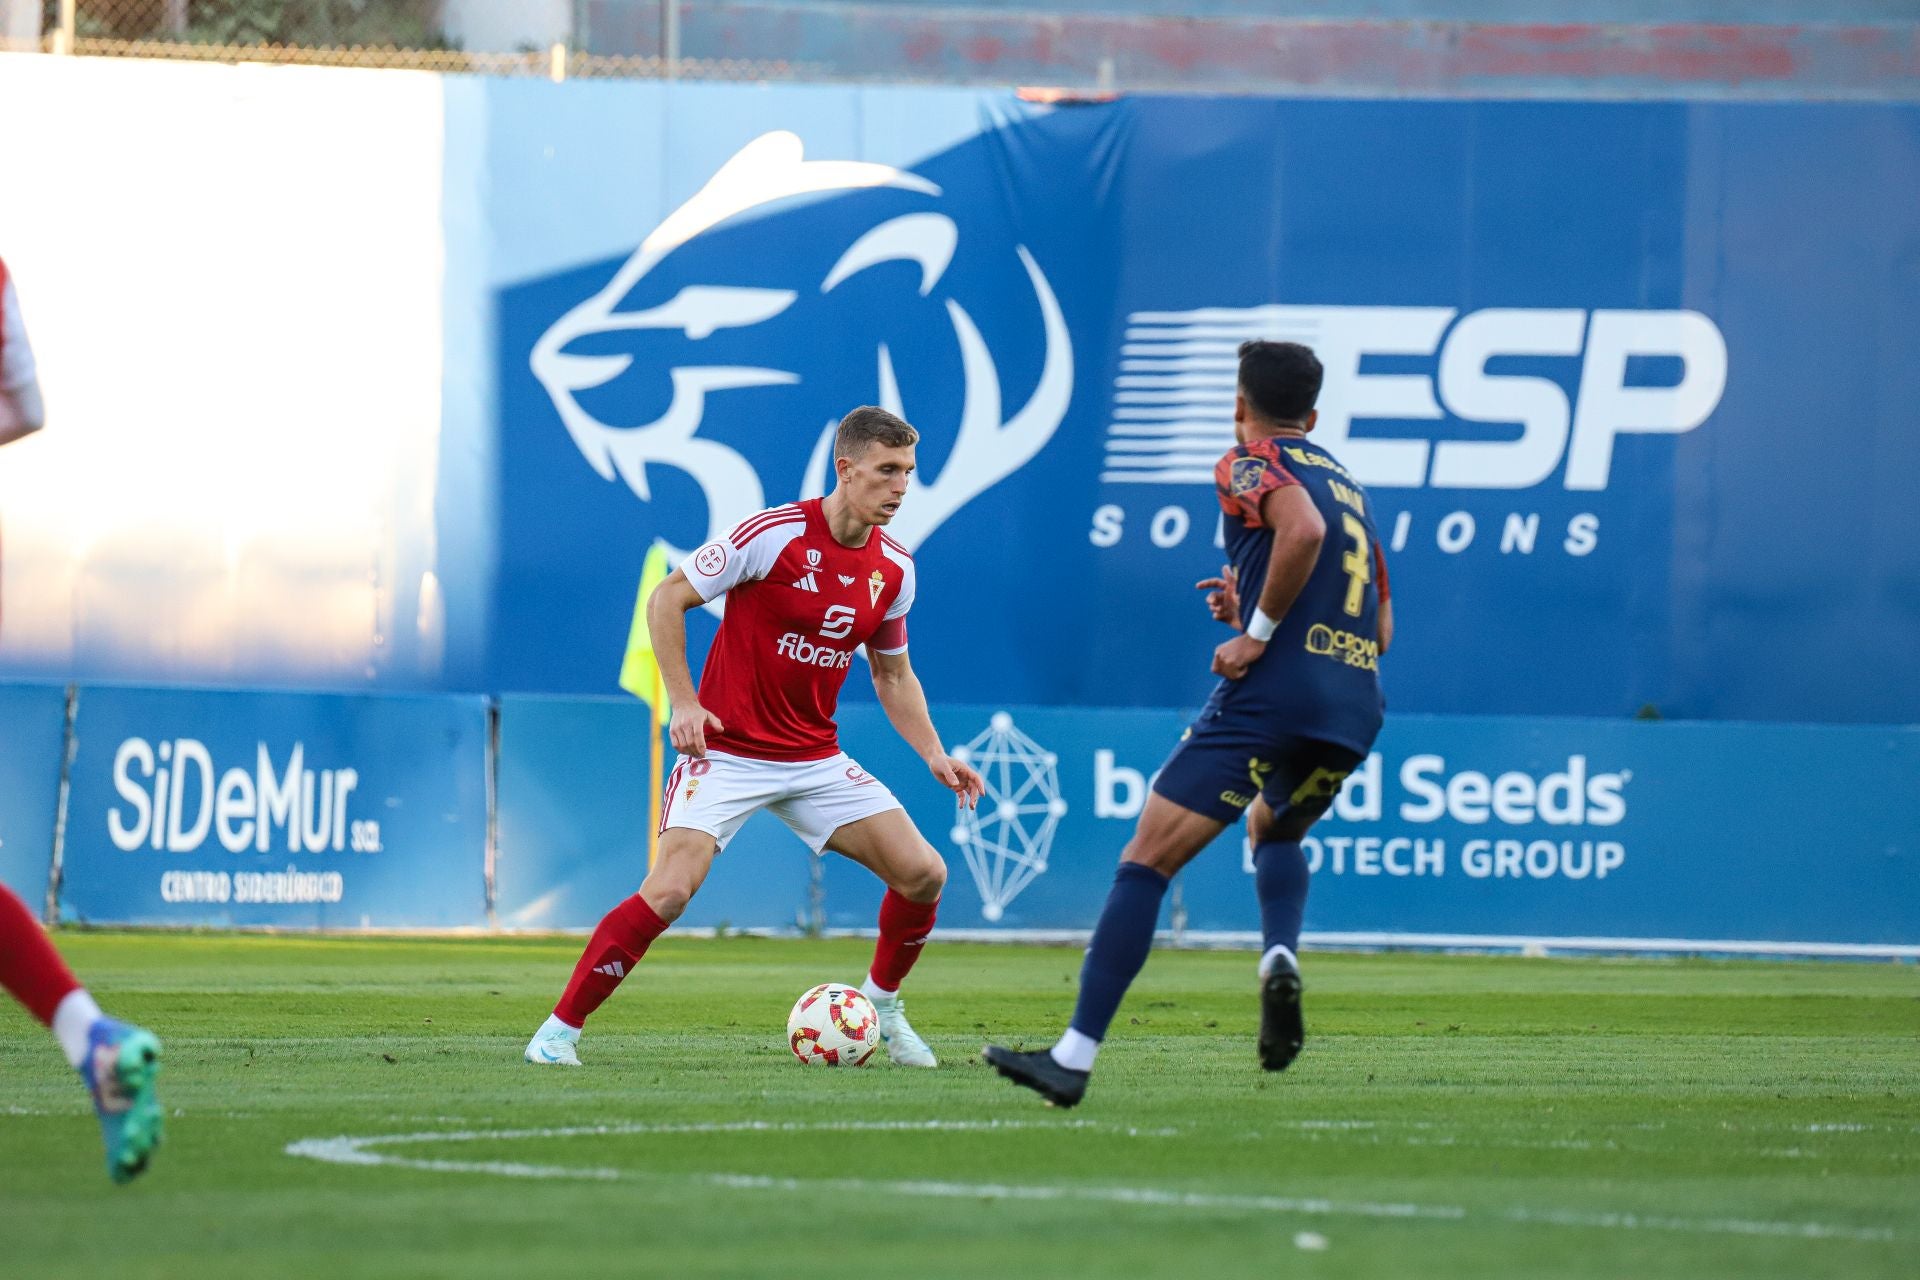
[[1298, 530], [906, 706], [667, 610]]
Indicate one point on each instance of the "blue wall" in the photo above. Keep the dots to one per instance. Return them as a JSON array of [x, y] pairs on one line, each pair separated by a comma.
[[194, 807], [1479, 829], [307, 811], [1468, 267], [32, 740], [1629, 382]]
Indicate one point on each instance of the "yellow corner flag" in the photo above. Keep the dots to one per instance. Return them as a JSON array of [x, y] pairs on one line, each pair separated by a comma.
[[640, 676], [640, 672]]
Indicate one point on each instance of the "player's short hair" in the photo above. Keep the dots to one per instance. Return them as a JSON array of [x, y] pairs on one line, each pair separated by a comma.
[[1280, 380], [870, 425]]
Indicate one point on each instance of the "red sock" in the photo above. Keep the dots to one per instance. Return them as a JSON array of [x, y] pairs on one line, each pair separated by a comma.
[[619, 941], [30, 969], [904, 927]]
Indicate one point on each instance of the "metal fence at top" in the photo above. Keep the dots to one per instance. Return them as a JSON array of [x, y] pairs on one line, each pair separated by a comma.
[[554, 38], [1069, 48]]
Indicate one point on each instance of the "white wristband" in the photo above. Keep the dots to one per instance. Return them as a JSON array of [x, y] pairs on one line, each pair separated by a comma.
[[1260, 626]]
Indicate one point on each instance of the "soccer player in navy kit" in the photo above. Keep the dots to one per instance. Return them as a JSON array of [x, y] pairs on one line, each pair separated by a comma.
[[1298, 707]]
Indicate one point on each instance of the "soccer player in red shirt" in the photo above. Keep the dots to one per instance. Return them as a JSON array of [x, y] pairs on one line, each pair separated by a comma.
[[117, 1061], [806, 585], [21, 410]]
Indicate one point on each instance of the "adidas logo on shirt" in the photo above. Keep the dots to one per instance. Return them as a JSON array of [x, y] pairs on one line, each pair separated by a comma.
[[612, 968], [808, 584]]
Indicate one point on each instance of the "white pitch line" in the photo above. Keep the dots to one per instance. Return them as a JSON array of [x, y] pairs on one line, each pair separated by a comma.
[[758, 1126], [1098, 1195], [352, 1151], [346, 1150], [1705, 1226]]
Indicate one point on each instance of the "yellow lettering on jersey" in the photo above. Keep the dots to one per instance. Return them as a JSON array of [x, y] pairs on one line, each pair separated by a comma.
[[1349, 495], [1306, 459], [1357, 563], [1343, 646], [1321, 784]]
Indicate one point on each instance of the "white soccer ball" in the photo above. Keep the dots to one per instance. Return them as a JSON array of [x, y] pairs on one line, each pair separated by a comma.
[[833, 1026]]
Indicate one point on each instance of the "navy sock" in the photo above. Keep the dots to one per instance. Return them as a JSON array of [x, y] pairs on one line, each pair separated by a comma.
[[1120, 945], [1280, 878]]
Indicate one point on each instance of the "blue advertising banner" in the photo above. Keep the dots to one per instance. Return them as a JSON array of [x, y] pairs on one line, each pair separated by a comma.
[[1566, 345], [1627, 382], [1457, 831], [1039, 850], [1705, 837], [297, 811], [33, 720], [573, 814]]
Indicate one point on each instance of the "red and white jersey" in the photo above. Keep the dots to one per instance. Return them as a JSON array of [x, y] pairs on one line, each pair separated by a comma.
[[798, 604], [16, 357]]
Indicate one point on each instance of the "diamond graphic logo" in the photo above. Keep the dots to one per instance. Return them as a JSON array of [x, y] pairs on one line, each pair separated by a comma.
[[1005, 838]]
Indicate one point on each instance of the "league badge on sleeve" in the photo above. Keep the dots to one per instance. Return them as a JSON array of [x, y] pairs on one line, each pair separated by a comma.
[[1245, 476]]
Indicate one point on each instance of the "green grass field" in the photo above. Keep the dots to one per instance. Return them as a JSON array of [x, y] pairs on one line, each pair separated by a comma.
[[1452, 1116]]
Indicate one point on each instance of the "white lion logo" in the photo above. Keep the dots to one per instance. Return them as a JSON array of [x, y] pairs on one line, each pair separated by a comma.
[[771, 168]]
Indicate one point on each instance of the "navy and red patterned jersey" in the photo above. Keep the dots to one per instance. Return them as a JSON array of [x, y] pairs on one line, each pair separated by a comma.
[[1320, 674], [799, 602]]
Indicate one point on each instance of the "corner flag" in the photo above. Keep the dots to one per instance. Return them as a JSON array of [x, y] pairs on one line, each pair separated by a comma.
[[640, 676], [640, 672]]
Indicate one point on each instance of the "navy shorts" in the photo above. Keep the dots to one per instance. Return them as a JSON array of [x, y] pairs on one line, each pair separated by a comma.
[[1221, 765]]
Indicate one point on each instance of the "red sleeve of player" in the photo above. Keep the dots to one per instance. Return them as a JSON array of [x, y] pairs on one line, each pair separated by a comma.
[[891, 637], [1380, 573], [1243, 479]]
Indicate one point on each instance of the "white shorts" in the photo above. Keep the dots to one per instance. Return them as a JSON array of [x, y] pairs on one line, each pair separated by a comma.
[[813, 797]]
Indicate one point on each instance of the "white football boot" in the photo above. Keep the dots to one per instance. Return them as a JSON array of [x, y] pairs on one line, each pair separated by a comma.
[[903, 1043], [555, 1044]]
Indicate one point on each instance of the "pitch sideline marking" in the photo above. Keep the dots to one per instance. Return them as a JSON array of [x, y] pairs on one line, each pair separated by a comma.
[[346, 1150]]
